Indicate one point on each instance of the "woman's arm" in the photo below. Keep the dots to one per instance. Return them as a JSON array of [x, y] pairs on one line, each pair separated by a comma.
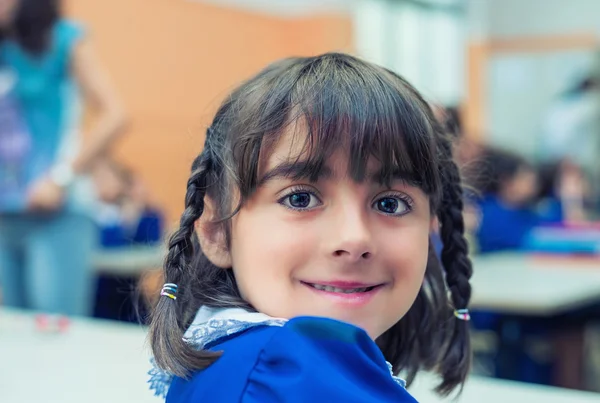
[[98, 93]]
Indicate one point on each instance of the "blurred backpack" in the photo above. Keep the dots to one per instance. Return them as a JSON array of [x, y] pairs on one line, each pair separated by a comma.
[[15, 146]]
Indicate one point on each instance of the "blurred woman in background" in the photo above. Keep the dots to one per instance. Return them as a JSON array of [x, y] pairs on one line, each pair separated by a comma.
[[47, 235]]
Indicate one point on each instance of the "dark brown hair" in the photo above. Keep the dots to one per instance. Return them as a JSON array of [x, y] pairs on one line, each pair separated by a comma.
[[375, 113], [32, 24]]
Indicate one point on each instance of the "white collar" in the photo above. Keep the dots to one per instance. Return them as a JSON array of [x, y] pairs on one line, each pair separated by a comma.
[[210, 324]]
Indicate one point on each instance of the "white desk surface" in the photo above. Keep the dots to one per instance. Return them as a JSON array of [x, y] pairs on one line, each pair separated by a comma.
[[95, 361], [521, 284], [101, 361]]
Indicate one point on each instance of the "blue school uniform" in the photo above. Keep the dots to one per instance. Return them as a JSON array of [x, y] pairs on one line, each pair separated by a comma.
[[503, 227], [264, 360], [114, 233]]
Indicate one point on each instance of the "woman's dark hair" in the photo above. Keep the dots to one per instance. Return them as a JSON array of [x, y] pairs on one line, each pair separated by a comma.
[[374, 113], [32, 24]]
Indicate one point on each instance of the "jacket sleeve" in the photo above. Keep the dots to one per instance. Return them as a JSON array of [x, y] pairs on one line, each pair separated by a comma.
[[321, 360]]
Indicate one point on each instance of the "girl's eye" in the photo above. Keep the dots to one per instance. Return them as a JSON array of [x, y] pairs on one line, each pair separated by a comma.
[[393, 205], [300, 200]]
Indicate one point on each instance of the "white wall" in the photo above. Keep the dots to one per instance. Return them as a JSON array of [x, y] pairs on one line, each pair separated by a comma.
[[518, 18], [543, 17], [426, 47], [520, 87], [521, 90], [478, 20]]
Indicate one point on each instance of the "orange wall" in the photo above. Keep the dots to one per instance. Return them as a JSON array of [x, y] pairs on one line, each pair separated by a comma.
[[174, 60]]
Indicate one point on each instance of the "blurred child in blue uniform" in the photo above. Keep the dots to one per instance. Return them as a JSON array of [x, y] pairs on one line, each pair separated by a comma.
[[126, 215], [508, 188], [515, 198], [126, 218]]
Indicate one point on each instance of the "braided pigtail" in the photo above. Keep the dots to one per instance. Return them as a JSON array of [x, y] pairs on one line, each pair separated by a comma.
[[170, 318], [456, 361]]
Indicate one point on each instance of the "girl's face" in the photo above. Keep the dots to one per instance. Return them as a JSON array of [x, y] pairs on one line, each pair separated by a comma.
[[334, 248], [7, 11]]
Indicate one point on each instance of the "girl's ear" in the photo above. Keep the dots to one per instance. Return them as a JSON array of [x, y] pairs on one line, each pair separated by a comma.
[[212, 236]]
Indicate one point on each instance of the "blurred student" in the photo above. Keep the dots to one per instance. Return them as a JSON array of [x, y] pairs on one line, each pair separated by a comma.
[[47, 235], [126, 217], [506, 206], [564, 192]]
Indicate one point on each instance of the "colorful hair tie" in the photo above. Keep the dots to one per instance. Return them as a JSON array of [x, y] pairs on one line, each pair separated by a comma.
[[169, 290], [462, 314]]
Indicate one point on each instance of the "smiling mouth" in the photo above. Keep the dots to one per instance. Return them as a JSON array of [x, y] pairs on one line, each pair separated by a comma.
[[329, 288]]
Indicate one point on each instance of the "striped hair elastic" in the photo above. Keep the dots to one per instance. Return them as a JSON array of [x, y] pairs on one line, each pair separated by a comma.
[[462, 314], [169, 290]]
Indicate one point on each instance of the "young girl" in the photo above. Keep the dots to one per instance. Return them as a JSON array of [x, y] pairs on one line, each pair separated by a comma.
[[302, 269]]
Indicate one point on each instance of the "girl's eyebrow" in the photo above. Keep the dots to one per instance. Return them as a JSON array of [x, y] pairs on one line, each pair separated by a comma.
[[296, 170]]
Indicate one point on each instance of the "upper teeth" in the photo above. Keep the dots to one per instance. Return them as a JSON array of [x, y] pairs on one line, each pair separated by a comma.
[[335, 289]]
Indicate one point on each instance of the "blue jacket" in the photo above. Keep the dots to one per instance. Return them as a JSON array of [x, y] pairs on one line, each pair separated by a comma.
[[306, 359]]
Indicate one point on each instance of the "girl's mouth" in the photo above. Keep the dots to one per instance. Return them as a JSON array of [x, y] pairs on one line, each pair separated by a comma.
[[354, 294], [341, 290]]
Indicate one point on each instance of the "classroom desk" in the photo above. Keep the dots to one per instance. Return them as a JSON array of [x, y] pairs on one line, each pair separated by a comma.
[[525, 285], [552, 295], [102, 361]]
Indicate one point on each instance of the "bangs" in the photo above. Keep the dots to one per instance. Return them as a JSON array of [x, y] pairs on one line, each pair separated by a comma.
[[342, 103]]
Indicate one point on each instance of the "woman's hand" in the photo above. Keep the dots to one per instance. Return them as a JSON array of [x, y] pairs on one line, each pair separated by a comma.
[[45, 195]]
